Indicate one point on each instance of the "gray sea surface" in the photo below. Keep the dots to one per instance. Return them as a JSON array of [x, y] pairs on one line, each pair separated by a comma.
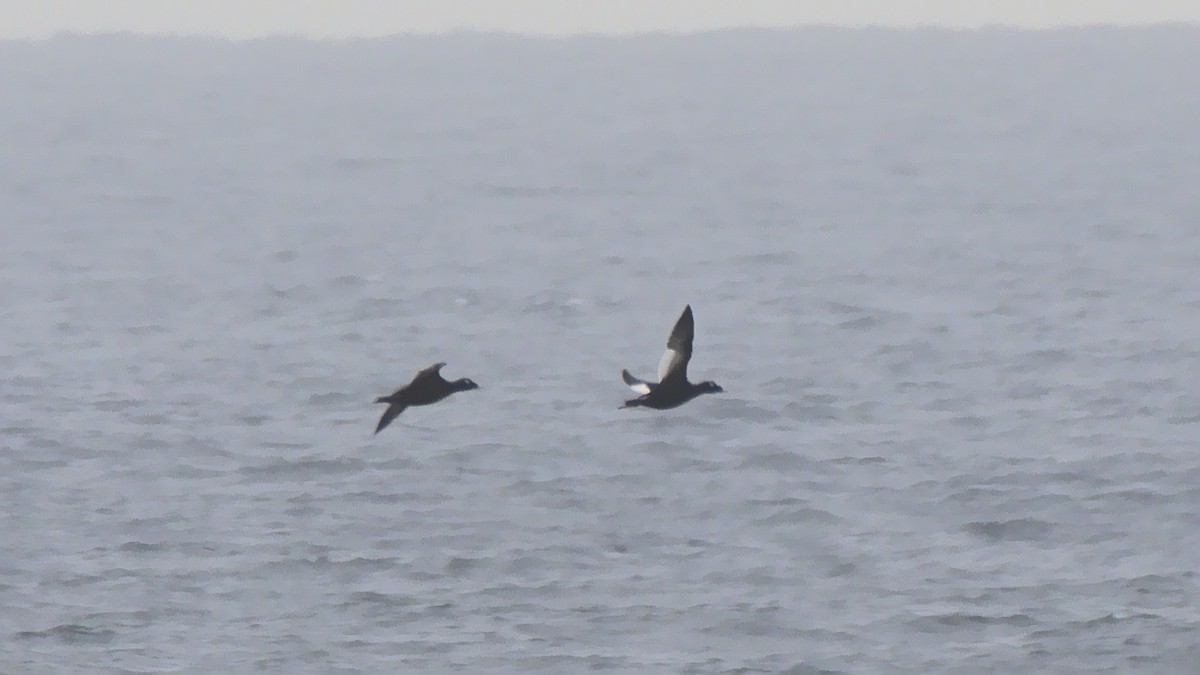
[[947, 279]]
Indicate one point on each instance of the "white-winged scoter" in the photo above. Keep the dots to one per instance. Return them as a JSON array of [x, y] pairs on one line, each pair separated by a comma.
[[427, 387], [673, 388]]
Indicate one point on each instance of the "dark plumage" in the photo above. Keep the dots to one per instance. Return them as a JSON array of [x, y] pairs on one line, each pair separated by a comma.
[[673, 388], [427, 387]]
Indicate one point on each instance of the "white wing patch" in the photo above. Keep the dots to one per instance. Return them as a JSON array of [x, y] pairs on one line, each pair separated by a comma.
[[670, 361], [635, 384]]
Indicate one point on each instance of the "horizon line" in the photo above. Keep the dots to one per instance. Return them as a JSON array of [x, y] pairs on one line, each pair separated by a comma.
[[466, 31]]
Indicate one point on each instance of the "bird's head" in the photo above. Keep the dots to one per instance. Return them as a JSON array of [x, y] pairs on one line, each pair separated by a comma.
[[709, 387], [464, 384]]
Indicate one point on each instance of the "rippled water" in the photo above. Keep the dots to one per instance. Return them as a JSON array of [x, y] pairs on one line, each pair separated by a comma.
[[946, 279]]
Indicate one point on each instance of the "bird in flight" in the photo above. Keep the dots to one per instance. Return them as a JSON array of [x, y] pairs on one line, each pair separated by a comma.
[[428, 386], [672, 388]]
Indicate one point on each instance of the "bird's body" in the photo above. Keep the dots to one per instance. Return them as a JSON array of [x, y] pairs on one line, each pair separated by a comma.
[[428, 386], [672, 389]]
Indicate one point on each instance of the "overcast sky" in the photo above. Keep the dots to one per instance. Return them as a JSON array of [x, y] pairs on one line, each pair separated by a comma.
[[349, 18]]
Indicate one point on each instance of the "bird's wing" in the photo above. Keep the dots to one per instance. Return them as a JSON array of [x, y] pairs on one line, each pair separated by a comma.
[[393, 411], [639, 386], [429, 373], [679, 347]]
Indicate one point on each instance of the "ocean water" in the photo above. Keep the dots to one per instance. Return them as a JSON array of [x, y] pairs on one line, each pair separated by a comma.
[[948, 281]]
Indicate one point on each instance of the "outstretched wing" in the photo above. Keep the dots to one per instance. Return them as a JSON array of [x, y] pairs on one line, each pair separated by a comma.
[[679, 347], [430, 373], [639, 386], [393, 411]]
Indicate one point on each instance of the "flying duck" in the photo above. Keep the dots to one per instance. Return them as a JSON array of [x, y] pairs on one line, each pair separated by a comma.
[[428, 386], [673, 388]]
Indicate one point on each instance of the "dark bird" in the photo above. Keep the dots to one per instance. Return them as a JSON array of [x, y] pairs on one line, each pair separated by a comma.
[[427, 387], [673, 388]]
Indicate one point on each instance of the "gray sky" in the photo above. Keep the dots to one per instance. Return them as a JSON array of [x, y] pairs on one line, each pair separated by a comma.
[[349, 18]]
